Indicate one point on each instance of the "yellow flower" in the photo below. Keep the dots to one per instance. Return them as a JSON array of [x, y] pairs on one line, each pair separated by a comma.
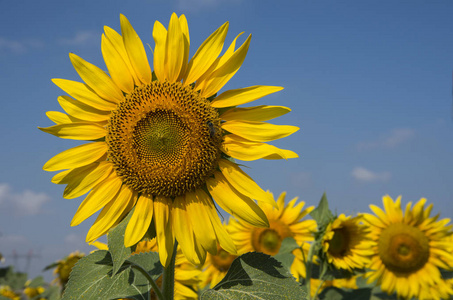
[[32, 292], [286, 221], [216, 267], [346, 243], [64, 267], [160, 141], [7, 292], [410, 248], [187, 276]]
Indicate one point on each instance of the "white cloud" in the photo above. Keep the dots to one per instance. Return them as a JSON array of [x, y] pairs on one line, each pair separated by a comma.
[[393, 139], [19, 46], [82, 38], [362, 174], [26, 203]]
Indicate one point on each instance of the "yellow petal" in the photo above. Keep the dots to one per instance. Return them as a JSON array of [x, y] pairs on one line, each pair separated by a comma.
[[97, 198], [174, 49], [199, 217], [117, 67], [81, 111], [117, 41], [185, 32], [215, 81], [242, 149], [96, 79], [222, 235], [164, 233], [77, 157], [160, 39], [112, 213], [99, 245], [234, 202], [259, 131], [206, 54], [139, 223], [77, 131], [243, 183], [135, 51], [60, 118], [243, 95], [256, 113], [83, 179], [183, 230], [84, 93]]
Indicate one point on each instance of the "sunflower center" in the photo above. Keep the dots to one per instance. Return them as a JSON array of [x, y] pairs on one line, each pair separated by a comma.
[[164, 139], [339, 244], [403, 248], [223, 260], [269, 240]]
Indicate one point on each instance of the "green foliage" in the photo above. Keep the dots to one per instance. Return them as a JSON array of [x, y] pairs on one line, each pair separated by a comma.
[[92, 277], [322, 214], [15, 280], [256, 276], [333, 293], [116, 244], [285, 255]]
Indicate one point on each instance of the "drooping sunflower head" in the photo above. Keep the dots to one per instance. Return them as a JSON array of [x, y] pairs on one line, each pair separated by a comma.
[[216, 267], [284, 221], [162, 142], [346, 243], [410, 248], [64, 267]]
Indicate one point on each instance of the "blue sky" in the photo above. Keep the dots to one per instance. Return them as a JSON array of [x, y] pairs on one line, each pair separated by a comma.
[[369, 84]]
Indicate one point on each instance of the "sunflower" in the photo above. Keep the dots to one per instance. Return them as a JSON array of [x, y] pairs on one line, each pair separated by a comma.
[[285, 221], [162, 142], [410, 248], [64, 267], [33, 292], [346, 243], [7, 292], [187, 276], [216, 267]]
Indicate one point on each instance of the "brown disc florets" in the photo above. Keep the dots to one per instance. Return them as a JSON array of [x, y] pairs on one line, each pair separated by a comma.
[[164, 139]]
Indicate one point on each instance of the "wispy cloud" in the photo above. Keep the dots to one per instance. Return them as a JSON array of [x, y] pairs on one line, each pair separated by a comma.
[[82, 38], [364, 175], [393, 139], [26, 203], [19, 46]]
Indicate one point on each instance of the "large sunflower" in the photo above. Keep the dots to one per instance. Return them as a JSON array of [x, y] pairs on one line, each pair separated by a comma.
[[161, 141], [346, 243], [410, 248], [285, 221]]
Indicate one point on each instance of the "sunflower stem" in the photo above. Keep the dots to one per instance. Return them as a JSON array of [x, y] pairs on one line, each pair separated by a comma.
[[168, 277], [309, 266]]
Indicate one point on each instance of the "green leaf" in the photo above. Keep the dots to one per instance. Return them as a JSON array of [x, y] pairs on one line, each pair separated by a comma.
[[91, 278], [256, 276], [285, 255], [51, 293], [37, 282], [333, 293], [322, 214], [116, 243], [51, 266], [16, 280], [148, 261]]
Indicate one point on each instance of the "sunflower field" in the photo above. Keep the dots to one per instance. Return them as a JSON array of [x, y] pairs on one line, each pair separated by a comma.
[[160, 160]]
